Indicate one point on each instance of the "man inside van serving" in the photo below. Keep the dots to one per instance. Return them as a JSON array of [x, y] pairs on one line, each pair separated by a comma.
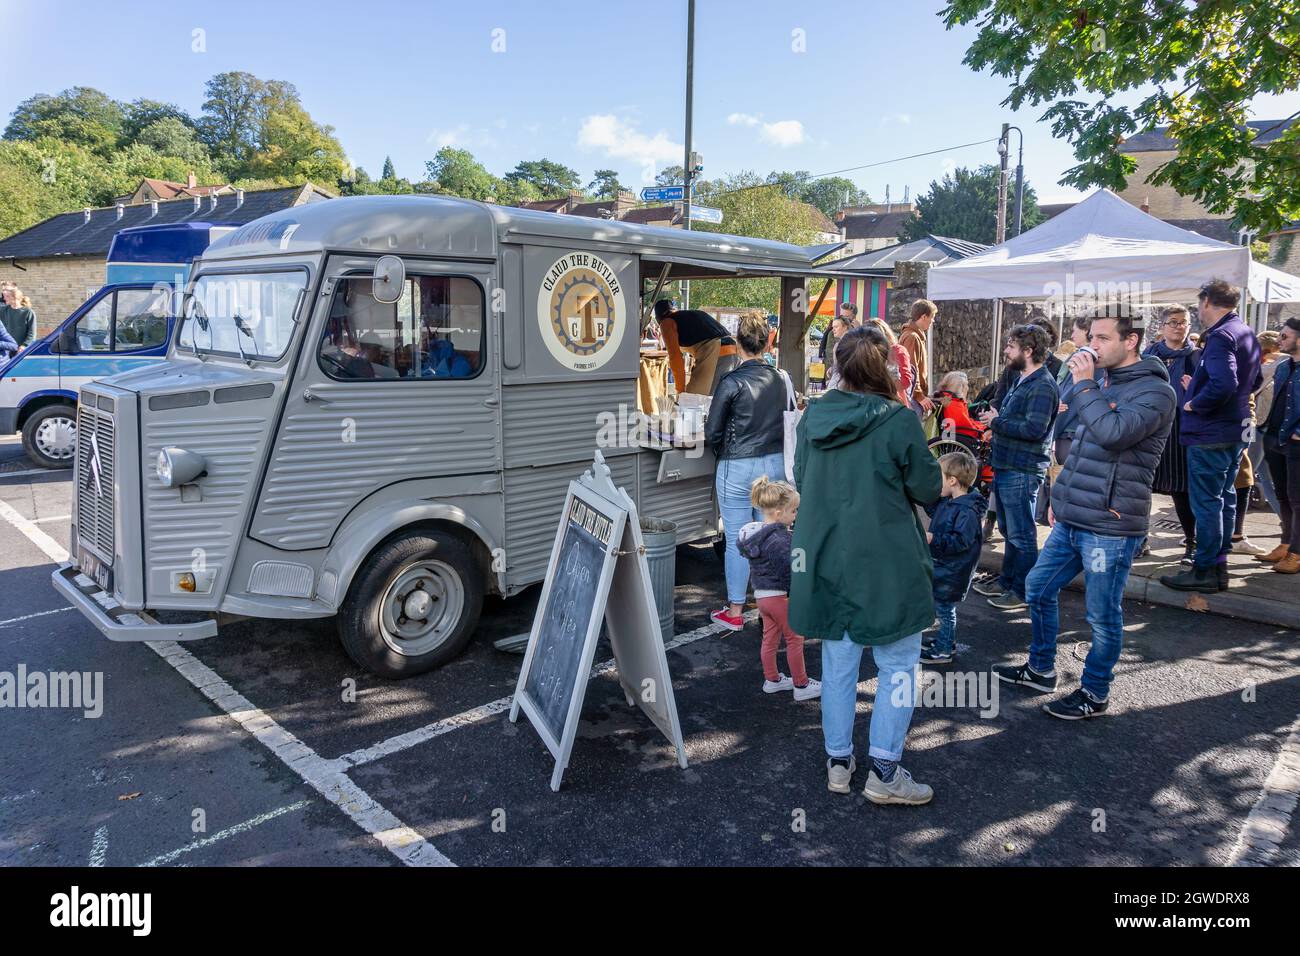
[[708, 341]]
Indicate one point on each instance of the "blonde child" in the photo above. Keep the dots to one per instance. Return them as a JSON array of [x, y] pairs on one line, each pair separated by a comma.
[[766, 544]]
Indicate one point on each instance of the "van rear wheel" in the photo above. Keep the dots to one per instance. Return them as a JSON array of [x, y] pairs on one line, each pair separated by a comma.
[[413, 605], [50, 436]]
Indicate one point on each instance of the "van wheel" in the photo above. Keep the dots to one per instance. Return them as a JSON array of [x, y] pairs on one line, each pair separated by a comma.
[[413, 605], [50, 436]]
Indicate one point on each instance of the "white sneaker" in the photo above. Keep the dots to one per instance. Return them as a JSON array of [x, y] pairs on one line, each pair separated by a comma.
[[902, 789], [1246, 546], [838, 779], [776, 686], [810, 691]]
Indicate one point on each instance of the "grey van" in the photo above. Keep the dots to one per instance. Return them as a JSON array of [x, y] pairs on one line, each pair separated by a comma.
[[372, 409]]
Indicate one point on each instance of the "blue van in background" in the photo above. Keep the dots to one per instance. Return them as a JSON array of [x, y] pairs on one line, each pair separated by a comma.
[[126, 324]]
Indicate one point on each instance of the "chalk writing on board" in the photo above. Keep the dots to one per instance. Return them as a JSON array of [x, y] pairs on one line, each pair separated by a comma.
[[554, 671]]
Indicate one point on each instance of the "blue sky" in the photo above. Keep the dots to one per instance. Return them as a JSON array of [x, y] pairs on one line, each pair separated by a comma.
[[587, 83]]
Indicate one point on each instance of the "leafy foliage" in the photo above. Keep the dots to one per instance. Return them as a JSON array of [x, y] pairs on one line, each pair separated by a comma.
[[1197, 65], [964, 206]]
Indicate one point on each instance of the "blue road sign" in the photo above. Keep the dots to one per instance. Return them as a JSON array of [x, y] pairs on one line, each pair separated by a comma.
[[663, 193], [706, 214]]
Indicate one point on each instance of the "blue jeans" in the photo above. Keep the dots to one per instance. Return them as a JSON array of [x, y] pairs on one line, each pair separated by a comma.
[[946, 640], [1211, 473], [891, 713], [1014, 494], [733, 480], [1105, 561]]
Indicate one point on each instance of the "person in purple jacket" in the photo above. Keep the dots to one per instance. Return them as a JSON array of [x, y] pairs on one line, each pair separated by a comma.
[[1215, 425]]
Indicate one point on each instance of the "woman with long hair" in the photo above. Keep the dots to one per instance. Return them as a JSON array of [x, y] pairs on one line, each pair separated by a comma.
[[861, 463]]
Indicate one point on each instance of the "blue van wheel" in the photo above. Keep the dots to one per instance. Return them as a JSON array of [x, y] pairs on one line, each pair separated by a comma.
[[50, 436]]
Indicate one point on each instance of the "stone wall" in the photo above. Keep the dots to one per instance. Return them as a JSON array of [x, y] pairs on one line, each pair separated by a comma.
[[56, 286]]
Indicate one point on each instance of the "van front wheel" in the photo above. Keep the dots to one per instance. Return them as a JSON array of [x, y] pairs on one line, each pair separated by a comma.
[[413, 605], [50, 436]]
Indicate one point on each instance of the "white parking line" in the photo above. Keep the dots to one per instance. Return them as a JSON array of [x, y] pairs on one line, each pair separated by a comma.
[[467, 718], [53, 518], [28, 617], [238, 828], [1270, 818], [325, 776], [36, 471], [99, 847]]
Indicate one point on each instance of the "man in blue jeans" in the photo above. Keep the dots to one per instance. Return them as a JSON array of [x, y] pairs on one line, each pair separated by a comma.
[[1022, 435], [1101, 503], [1216, 428]]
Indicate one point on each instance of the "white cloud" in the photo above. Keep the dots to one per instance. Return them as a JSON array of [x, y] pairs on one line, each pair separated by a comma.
[[783, 132], [461, 136], [620, 139], [901, 119], [742, 119]]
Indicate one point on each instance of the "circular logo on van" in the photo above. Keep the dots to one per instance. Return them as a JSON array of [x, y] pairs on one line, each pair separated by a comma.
[[581, 312]]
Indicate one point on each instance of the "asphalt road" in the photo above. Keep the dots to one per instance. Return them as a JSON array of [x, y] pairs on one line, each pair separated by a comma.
[[166, 776]]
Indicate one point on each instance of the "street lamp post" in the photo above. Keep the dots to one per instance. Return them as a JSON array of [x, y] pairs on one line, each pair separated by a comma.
[[686, 164]]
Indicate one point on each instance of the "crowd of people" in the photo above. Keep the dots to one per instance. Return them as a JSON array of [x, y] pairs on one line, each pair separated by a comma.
[[1104, 419]]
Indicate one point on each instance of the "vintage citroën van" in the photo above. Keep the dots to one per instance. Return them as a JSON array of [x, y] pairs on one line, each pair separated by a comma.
[[372, 409]]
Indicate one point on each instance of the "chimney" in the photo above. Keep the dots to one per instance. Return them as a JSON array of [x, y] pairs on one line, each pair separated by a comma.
[[887, 202], [198, 203], [239, 198], [153, 209], [121, 211], [213, 197], [1146, 205], [85, 215], [190, 180]]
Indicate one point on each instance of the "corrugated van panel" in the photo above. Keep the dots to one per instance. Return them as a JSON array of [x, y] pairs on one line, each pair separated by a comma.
[[550, 423], [688, 502]]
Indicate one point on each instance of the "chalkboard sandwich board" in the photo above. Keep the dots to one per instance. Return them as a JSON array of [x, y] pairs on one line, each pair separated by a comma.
[[597, 573]]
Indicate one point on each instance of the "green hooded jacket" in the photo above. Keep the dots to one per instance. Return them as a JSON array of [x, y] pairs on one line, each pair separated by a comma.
[[859, 560]]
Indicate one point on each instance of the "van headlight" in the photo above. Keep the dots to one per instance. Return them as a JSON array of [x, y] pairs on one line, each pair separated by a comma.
[[176, 467]]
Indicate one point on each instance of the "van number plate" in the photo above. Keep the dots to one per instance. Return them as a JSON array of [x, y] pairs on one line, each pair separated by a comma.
[[96, 570]]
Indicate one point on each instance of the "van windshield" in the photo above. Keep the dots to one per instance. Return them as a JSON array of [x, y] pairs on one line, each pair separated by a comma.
[[249, 313]]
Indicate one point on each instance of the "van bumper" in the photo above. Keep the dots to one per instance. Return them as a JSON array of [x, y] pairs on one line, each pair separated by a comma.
[[116, 623], [8, 421]]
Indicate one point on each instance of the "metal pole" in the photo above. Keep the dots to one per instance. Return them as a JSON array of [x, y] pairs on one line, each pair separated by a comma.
[[1001, 237], [686, 166]]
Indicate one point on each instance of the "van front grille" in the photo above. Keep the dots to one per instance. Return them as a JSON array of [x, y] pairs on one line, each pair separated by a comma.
[[95, 458]]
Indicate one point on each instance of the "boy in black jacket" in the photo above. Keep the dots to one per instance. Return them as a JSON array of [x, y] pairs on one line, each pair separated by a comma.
[[955, 538]]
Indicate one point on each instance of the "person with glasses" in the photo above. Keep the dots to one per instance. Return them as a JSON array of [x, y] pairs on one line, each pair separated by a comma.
[[1181, 358]]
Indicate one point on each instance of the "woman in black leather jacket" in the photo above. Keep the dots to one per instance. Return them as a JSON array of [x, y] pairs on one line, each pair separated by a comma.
[[746, 432]]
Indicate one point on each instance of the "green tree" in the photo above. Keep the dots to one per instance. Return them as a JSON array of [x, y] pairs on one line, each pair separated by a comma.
[[80, 115], [964, 206], [294, 148], [551, 179], [670, 176], [456, 172], [605, 184], [389, 171], [751, 207], [231, 119], [143, 113], [515, 192], [171, 137], [1196, 67], [832, 193]]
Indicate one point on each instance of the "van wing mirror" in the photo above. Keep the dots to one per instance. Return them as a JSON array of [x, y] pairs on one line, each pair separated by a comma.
[[67, 340], [389, 277]]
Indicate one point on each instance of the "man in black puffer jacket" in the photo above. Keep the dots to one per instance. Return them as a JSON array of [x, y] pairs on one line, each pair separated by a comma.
[[1101, 503]]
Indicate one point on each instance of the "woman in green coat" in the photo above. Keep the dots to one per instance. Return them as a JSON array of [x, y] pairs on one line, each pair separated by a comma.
[[861, 571]]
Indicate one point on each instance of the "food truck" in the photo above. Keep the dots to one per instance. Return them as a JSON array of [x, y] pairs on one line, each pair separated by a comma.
[[372, 409], [125, 324]]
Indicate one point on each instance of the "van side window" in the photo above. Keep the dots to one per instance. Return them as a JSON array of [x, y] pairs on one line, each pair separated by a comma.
[[435, 330], [141, 319], [94, 328]]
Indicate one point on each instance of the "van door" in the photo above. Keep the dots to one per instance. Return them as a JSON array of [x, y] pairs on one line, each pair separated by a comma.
[[382, 393]]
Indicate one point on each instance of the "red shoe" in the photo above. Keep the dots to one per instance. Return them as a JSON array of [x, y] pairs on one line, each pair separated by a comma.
[[729, 621]]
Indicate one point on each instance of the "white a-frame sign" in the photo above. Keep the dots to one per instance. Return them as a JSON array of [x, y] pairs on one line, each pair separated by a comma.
[[598, 572]]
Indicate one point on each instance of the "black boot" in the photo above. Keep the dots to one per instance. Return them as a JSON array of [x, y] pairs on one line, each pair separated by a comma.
[[1221, 576], [1196, 579]]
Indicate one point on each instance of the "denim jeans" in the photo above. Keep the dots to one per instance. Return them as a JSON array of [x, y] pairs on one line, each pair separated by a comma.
[[1211, 473], [1262, 476], [946, 640], [1015, 494], [1105, 561], [891, 713], [733, 480]]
